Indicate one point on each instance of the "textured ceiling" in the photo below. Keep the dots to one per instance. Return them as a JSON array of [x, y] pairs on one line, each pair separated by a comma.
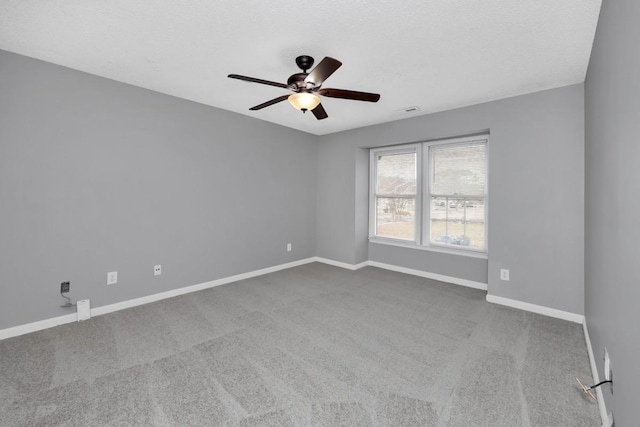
[[434, 54]]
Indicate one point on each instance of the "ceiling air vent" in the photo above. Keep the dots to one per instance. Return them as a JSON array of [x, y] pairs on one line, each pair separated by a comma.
[[407, 110]]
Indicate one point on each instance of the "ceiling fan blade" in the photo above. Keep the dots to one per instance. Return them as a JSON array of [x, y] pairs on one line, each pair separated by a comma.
[[254, 80], [319, 112], [350, 94], [323, 70], [268, 103]]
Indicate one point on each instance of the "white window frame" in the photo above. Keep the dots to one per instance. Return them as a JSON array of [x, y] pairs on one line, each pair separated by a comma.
[[423, 195], [404, 149]]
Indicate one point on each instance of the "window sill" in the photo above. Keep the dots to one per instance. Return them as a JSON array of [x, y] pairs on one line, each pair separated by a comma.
[[409, 245]]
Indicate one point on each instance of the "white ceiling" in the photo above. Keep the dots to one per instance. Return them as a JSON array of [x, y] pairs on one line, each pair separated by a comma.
[[434, 54]]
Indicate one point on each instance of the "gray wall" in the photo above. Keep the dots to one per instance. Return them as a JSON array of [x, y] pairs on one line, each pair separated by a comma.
[[536, 196], [97, 176], [612, 289]]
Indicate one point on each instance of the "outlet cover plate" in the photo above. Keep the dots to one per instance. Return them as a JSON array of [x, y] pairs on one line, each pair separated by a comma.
[[112, 278], [157, 270], [504, 274], [84, 309]]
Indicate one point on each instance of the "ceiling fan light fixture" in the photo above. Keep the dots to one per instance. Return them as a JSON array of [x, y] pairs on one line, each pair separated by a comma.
[[306, 87], [304, 101]]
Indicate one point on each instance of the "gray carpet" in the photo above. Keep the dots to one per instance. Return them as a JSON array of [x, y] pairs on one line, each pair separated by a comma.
[[309, 346]]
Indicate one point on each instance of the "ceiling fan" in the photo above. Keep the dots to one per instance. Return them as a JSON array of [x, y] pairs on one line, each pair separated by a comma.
[[307, 87]]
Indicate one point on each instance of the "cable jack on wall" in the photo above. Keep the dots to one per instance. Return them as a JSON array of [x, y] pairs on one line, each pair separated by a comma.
[[65, 287], [587, 388]]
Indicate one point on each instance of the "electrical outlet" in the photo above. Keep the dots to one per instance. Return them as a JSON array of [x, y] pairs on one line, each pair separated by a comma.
[[65, 287], [288, 247], [157, 270], [504, 274], [112, 278]]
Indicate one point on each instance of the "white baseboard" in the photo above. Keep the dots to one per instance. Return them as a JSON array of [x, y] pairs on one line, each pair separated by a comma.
[[194, 288], [596, 378], [341, 264], [413, 272], [539, 309], [434, 276], [38, 326], [69, 318], [97, 311]]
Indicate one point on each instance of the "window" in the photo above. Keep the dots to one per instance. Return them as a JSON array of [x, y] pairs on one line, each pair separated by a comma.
[[431, 194], [396, 192]]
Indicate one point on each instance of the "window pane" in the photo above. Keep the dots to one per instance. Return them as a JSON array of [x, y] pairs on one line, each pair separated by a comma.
[[458, 170], [395, 218], [458, 221], [396, 174]]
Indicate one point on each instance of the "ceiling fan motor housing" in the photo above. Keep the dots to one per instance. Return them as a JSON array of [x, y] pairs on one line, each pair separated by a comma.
[[304, 62], [296, 81]]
